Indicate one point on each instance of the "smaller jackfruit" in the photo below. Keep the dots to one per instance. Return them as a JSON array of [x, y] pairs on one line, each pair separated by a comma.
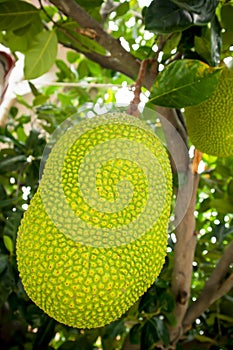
[[95, 234], [210, 123]]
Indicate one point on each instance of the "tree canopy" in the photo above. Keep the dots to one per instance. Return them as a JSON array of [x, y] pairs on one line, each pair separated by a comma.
[[169, 55]]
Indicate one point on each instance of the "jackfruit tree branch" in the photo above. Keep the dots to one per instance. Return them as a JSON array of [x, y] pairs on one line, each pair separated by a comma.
[[184, 253], [185, 231], [133, 107], [117, 58], [216, 286]]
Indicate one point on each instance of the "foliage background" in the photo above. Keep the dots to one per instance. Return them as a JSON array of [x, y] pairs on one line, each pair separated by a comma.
[[206, 38]]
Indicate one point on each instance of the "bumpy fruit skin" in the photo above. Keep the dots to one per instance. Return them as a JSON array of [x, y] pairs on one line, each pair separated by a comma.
[[89, 283], [210, 124]]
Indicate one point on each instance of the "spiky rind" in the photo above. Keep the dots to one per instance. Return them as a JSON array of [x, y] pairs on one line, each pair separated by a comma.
[[83, 284], [210, 124]]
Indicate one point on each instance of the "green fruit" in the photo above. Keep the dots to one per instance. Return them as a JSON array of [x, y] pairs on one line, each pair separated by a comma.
[[95, 234], [210, 124]]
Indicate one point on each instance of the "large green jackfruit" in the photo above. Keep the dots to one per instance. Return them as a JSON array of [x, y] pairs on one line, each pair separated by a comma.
[[94, 236], [210, 123]]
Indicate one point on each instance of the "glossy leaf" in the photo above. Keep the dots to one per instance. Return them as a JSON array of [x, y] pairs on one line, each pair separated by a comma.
[[169, 16], [184, 83], [16, 41], [162, 331], [41, 55], [150, 335], [122, 9], [230, 189], [222, 205], [171, 43], [89, 4], [6, 284], [135, 333], [12, 224], [215, 41], [83, 40], [3, 262], [72, 56], [8, 243], [44, 334], [16, 14], [202, 10], [226, 16], [165, 17], [11, 163]]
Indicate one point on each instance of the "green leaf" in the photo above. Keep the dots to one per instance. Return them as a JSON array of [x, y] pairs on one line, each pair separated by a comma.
[[225, 318], [171, 42], [215, 41], [122, 9], [223, 205], [165, 17], [8, 243], [202, 47], [72, 56], [12, 224], [204, 339], [162, 331], [66, 72], [90, 44], [83, 69], [227, 40], [16, 14], [23, 102], [44, 334], [39, 97], [226, 17], [3, 262], [167, 302], [41, 55], [184, 83], [21, 135], [89, 4], [202, 10], [170, 16], [230, 188], [12, 163], [34, 89], [135, 334], [72, 34], [149, 335], [39, 100], [6, 284], [170, 318], [7, 202]]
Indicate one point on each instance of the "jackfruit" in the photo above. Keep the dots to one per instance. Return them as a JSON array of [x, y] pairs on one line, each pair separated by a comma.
[[210, 123], [94, 236]]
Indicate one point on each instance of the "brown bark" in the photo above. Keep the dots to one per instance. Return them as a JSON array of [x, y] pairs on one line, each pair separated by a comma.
[[216, 286], [117, 58], [184, 217]]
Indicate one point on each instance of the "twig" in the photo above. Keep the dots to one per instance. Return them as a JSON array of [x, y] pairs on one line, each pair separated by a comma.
[[133, 108], [82, 85], [118, 58], [196, 161], [161, 42], [216, 286]]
